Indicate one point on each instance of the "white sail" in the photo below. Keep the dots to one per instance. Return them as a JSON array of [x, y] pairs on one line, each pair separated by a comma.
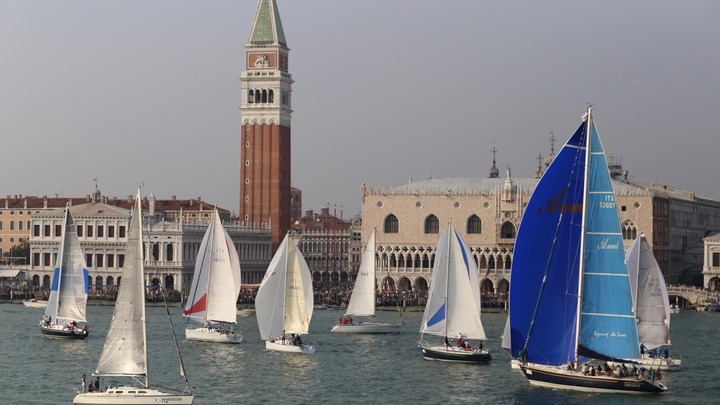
[[454, 301], [125, 350], [284, 299], [362, 300], [234, 264], [216, 282], [68, 295], [649, 295]]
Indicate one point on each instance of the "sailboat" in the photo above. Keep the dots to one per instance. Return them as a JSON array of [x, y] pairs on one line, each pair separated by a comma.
[[125, 353], [362, 299], [570, 298], [284, 301], [68, 294], [505, 344], [652, 306], [215, 288], [453, 306]]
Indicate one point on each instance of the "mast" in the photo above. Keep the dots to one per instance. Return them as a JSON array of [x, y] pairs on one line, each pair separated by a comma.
[[207, 284], [447, 273], [61, 260], [139, 259], [581, 268], [285, 275]]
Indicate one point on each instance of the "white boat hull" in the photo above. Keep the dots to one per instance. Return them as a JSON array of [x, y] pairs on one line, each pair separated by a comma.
[[245, 312], [212, 335], [366, 327], [288, 347], [132, 395], [35, 304]]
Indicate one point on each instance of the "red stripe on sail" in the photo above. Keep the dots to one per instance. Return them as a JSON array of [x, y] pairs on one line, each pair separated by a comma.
[[199, 306]]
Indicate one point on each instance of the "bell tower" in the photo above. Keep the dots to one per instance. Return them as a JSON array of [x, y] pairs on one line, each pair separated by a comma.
[[265, 115]]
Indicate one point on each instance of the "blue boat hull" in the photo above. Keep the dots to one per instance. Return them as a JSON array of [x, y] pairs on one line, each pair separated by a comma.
[[547, 377]]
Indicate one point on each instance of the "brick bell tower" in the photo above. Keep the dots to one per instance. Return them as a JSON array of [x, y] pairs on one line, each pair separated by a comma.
[[265, 111]]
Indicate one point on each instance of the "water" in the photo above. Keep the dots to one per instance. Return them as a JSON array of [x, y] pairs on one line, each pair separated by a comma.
[[349, 369]]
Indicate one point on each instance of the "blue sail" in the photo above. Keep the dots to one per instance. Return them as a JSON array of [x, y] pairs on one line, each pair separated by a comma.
[[608, 329], [548, 247]]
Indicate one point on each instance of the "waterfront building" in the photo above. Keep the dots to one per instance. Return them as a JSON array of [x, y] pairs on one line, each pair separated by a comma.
[[266, 109], [711, 261], [331, 246], [488, 211], [175, 229]]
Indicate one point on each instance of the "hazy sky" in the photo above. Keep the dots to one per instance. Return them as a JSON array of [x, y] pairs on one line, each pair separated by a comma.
[[148, 92]]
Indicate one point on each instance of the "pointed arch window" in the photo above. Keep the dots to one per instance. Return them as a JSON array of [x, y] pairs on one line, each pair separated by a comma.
[[507, 230], [257, 96], [251, 96], [264, 96], [432, 224], [391, 224], [474, 225], [271, 96]]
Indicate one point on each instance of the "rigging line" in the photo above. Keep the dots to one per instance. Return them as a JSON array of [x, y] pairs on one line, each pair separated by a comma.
[[177, 347], [552, 251], [387, 270]]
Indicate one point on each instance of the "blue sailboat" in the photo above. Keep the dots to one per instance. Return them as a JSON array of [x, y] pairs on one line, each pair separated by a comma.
[[571, 305]]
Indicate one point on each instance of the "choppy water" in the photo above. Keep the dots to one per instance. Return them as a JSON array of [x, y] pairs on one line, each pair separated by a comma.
[[348, 369]]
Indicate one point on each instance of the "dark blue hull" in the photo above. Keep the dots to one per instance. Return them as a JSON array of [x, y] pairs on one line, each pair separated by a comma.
[[64, 334], [461, 356], [558, 378]]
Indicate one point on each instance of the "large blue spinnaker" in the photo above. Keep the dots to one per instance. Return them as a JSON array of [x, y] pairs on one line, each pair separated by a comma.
[[548, 245]]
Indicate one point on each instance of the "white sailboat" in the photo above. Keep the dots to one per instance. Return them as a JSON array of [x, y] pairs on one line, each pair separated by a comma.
[[453, 307], [68, 294], [215, 288], [652, 306], [125, 350], [362, 299], [284, 301]]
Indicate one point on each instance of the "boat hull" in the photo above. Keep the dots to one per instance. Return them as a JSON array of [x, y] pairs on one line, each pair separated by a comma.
[[132, 395], [453, 354], [366, 327], [212, 335], [555, 377], [35, 304], [56, 331], [288, 347]]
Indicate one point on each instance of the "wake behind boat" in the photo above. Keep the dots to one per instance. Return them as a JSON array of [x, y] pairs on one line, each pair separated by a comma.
[[215, 288], [570, 298], [362, 299], [68, 294], [284, 301], [125, 351], [453, 306]]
